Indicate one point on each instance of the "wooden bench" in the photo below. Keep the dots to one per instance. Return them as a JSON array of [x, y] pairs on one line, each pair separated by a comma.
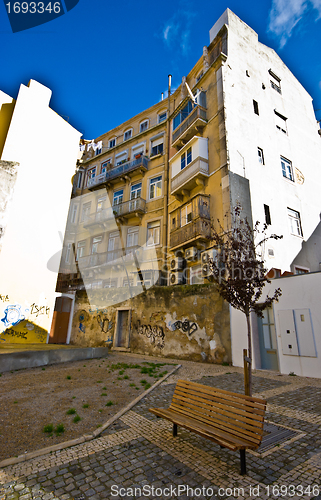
[[229, 419]]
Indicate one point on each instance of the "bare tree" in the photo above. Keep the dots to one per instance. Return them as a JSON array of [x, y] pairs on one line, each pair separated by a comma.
[[239, 269]]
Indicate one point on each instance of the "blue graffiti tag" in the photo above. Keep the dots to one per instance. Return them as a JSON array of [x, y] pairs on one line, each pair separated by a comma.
[[12, 315]]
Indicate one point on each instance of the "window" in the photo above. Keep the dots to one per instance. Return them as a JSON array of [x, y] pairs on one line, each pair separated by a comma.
[[100, 203], [260, 155], [280, 122], [132, 236], [195, 277], [91, 174], [127, 135], [118, 197], [275, 82], [85, 214], [295, 222], [300, 270], [68, 252], [143, 126], [138, 150], [287, 171], [155, 187], [80, 249], [199, 76], [256, 107], [98, 150], [112, 143], [95, 243], [113, 246], [157, 146], [104, 166], [121, 158], [79, 180], [136, 191], [268, 327], [74, 214], [183, 114], [153, 233], [162, 117], [186, 158], [186, 214], [267, 214]]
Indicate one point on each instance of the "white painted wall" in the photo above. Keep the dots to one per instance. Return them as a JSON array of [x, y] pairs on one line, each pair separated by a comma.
[[46, 148], [298, 292], [199, 150], [302, 145]]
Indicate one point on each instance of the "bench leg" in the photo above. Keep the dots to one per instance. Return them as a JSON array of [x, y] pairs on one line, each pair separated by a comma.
[[243, 462], [174, 430]]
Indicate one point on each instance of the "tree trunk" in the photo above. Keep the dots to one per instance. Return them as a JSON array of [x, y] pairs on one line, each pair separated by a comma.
[[249, 341]]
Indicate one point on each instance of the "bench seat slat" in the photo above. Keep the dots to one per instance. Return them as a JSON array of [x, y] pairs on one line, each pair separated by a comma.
[[210, 390], [227, 425], [217, 406], [221, 396], [218, 436]]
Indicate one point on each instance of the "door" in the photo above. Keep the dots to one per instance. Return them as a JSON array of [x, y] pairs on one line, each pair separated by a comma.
[[122, 334], [267, 340], [60, 321]]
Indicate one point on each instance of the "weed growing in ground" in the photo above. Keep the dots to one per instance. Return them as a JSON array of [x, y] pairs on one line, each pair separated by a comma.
[[43, 368], [74, 397], [68, 377], [104, 394], [109, 403], [15, 402], [59, 429], [71, 411], [104, 388], [76, 419], [143, 382], [99, 381], [132, 385], [126, 377], [48, 428], [86, 405]]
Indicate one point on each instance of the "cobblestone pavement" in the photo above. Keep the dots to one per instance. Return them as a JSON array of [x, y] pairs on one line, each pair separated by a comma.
[[139, 452]]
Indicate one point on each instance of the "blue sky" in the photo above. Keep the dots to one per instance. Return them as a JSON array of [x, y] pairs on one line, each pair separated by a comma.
[[107, 61]]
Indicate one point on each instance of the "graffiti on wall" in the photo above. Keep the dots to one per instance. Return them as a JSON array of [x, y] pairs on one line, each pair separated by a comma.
[[12, 315], [185, 326], [4, 298], [39, 310], [81, 326], [154, 333], [103, 322]]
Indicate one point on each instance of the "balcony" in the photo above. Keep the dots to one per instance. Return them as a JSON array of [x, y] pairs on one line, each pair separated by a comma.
[[114, 173], [113, 257], [191, 126], [190, 177], [99, 218], [198, 229], [131, 208]]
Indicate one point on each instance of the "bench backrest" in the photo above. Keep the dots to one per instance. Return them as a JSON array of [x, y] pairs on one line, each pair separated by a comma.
[[239, 415]]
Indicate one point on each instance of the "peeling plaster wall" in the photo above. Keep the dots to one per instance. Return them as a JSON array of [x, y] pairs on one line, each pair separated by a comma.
[[184, 322]]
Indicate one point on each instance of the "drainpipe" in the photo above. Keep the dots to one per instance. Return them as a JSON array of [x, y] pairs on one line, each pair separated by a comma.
[[166, 177]]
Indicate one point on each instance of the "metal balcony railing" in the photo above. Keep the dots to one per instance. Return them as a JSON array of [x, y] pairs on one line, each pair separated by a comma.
[[101, 259], [196, 229], [128, 207], [141, 162], [198, 113]]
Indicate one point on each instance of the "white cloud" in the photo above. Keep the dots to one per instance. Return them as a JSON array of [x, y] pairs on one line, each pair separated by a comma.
[[286, 14], [177, 30]]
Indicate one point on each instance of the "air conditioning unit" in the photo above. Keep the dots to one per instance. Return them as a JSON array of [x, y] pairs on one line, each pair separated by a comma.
[[205, 270], [177, 264], [191, 253], [176, 278], [208, 254]]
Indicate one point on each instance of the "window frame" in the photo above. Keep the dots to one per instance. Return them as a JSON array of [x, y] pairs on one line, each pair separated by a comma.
[[157, 179], [110, 145], [260, 155], [142, 127], [81, 245], [84, 214], [90, 171], [136, 190], [186, 213], [163, 119], [297, 219], [153, 227], [120, 197], [130, 132], [288, 163]]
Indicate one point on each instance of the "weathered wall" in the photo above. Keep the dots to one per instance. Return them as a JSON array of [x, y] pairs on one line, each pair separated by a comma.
[[183, 322]]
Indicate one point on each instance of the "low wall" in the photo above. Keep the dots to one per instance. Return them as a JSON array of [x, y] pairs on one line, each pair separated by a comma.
[[32, 359], [186, 322]]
